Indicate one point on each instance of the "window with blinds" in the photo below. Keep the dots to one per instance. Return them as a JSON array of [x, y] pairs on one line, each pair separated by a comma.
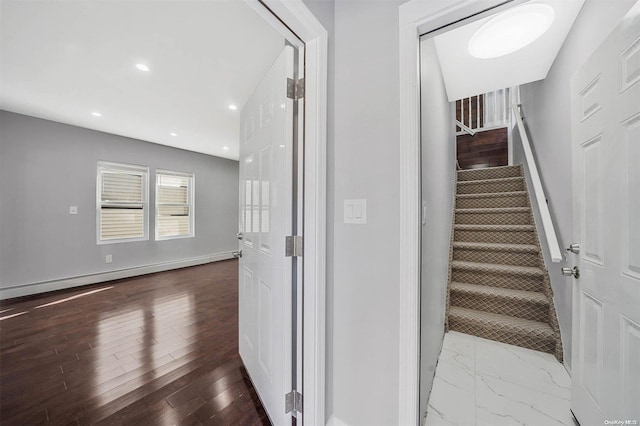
[[174, 205], [121, 202]]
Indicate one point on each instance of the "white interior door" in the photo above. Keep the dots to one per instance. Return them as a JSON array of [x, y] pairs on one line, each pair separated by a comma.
[[606, 188], [265, 298]]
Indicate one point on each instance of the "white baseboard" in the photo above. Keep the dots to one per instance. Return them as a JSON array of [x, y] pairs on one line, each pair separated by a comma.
[[45, 286], [334, 421]]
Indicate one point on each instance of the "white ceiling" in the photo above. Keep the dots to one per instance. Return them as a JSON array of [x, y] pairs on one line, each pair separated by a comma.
[[466, 76], [64, 59]]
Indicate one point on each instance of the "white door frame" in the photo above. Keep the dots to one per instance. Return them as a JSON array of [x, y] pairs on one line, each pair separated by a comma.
[[299, 19], [415, 17]]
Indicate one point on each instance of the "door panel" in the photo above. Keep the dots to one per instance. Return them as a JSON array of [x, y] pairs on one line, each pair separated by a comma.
[[592, 212], [266, 146], [247, 307], [630, 367], [605, 96], [631, 199], [591, 333]]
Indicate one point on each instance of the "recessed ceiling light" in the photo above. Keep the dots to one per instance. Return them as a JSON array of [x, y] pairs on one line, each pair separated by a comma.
[[233, 107], [173, 134], [96, 114], [226, 148], [142, 67], [511, 30]]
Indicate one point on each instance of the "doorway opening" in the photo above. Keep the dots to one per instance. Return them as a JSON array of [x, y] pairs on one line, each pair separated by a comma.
[[114, 86], [452, 78]]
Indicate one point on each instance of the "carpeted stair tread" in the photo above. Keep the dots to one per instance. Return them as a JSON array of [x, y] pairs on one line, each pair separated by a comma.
[[501, 323], [494, 210], [493, 172], [518, 248], [485, 186], [498, 286], [486, 199], [493, 194], [499, 253], [493, 216], [530, 305], [503, 228], [497, 268], [495, 180], [503, 293]]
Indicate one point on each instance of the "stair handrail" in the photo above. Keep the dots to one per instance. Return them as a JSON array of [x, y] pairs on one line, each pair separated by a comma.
[[538, 190], [465, 128]]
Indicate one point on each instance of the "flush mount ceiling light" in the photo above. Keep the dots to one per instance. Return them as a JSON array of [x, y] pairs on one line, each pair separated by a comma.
[[233, 107], [96, 114], [173, 134], [511, 30], [142, 67]]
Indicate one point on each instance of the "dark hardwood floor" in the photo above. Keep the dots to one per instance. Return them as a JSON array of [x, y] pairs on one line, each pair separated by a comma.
[[489, 148], [160, 349]]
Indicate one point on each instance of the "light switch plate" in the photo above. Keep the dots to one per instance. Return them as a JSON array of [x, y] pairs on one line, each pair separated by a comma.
[[355, 211], [73, 209]]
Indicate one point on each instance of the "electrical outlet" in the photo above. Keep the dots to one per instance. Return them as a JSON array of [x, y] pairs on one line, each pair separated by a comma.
[[73, 209], [108, 258]]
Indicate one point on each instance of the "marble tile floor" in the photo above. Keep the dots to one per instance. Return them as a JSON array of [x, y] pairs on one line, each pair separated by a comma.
[[480, 382]]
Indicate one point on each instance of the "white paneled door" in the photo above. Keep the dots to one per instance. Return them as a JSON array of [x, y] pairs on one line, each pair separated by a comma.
[[606, 189], [266, 216]]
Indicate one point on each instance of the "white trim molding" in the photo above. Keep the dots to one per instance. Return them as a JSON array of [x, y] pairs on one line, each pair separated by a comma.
[[334, 421], [416, 17], [299, 19], [65, 283]]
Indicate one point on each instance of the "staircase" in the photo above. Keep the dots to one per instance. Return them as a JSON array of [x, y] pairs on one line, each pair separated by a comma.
[[498, 285]]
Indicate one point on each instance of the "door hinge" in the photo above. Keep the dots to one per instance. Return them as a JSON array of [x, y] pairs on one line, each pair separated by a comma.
[[293, 245], [293, 402], [295, 88]]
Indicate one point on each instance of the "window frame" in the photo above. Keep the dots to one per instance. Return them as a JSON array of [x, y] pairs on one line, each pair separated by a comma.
[[191, 179], [122, 168]]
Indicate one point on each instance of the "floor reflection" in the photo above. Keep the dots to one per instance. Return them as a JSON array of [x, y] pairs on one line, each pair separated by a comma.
[[158, 349]]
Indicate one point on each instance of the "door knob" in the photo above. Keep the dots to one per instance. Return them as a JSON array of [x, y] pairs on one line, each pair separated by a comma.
[[574, 248], [237, 253], [571, 271], [240, 235]]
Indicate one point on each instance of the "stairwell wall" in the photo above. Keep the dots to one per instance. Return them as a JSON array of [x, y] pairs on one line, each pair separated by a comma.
[[437, 187], [546, 105]]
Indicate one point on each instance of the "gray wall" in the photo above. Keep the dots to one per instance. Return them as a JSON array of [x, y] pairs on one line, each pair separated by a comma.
[[366, 164], [438, 175], [47, 166], [362, 162], [546, 105]]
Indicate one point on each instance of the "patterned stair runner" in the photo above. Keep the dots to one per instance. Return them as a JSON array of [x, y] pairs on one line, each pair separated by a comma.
[[498, 284]]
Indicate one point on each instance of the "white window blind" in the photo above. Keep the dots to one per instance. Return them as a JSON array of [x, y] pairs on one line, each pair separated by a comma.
[[122, 202], [174, 205]]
